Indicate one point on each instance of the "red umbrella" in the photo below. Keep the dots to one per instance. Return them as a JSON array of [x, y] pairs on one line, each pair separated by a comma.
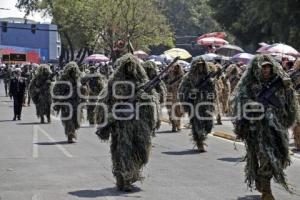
[[214, 34], [212, 41], [97, 58]]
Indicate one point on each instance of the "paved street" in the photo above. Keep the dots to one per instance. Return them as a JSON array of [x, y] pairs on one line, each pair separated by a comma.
[[36, 163]]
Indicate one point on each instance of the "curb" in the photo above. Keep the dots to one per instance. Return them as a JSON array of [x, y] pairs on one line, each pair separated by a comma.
[[224, 135], [230, 137], [233, 138], [165, 120]]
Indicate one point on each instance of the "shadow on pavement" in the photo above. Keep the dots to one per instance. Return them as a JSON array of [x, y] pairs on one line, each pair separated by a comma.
[[52, 143], [6, 120], [163, 132], [240, 159], [249, 197], [181, 153], [106, 192], [30, 123]]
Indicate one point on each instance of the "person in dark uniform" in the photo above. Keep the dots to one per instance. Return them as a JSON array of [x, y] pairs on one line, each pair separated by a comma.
[[17, 91]]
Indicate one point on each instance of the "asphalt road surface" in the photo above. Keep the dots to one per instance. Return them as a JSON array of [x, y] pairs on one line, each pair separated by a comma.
[[36, 163]]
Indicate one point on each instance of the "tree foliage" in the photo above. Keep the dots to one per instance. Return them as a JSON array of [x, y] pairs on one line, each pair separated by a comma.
[[88, 24], [189, 17], [254, 21]]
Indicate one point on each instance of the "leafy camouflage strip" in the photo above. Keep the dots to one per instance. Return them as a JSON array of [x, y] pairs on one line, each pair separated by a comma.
[[130, 139], [40, 90], [267, 139], [94, 82], [151, 70], [172, 83], [71, 74], [188, 87]]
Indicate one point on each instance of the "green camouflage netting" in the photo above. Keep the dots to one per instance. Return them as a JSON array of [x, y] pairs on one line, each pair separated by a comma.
[[266, 140], [130, 139], [189, 92], [40, 90], [72, 75]]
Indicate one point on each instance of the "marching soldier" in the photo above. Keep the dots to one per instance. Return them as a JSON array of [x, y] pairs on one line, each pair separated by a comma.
[[196, 89], [295, 76], [130, 137], [265, 133], [175, 110]]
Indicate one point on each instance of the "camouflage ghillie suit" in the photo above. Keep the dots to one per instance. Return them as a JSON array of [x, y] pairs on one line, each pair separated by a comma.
[[151, 70], [172, 82], [190, 92], [7, 76], [40, 91], [130, 139], [266, 139], [225, 93], [218, 88], [233, 75], [70, 74], [27, 74], [95, 83], [295, 76]]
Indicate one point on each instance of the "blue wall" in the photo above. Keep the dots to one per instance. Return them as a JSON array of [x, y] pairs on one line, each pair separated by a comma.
[[43, 40]]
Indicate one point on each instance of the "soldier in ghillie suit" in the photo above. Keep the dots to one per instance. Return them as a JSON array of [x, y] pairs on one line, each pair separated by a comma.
[[196, 89], [151, 70], [218, 87], [131, 138], [7, 75], [27, 74], [295, 76], [266, 133], [70, 74], [172, 82], [40, 91], [233, 74], [95, 83]]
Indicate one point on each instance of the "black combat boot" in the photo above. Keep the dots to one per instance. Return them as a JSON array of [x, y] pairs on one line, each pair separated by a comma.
[[219, 121], [42, 119], [49, 119]]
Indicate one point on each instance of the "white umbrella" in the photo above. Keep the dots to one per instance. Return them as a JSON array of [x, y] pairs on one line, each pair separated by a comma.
[[210, 56], [281, 48]]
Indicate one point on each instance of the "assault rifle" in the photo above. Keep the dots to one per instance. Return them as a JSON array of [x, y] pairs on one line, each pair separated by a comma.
[[267, 95], [102, 131], [218, 73]]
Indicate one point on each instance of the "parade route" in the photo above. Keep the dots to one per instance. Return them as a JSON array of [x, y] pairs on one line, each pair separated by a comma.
[[37, 163]]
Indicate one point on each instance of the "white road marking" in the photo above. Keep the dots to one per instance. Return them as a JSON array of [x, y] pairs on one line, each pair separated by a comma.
[[60, 147], [35, 150], [35, 197]]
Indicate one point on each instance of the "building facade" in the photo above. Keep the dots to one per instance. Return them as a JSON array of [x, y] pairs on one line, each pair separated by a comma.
[[40, 42]]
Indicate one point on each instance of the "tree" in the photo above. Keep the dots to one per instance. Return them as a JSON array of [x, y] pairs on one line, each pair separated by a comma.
[[84, 25], [189, 19], [137, 21], [254, 21]]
